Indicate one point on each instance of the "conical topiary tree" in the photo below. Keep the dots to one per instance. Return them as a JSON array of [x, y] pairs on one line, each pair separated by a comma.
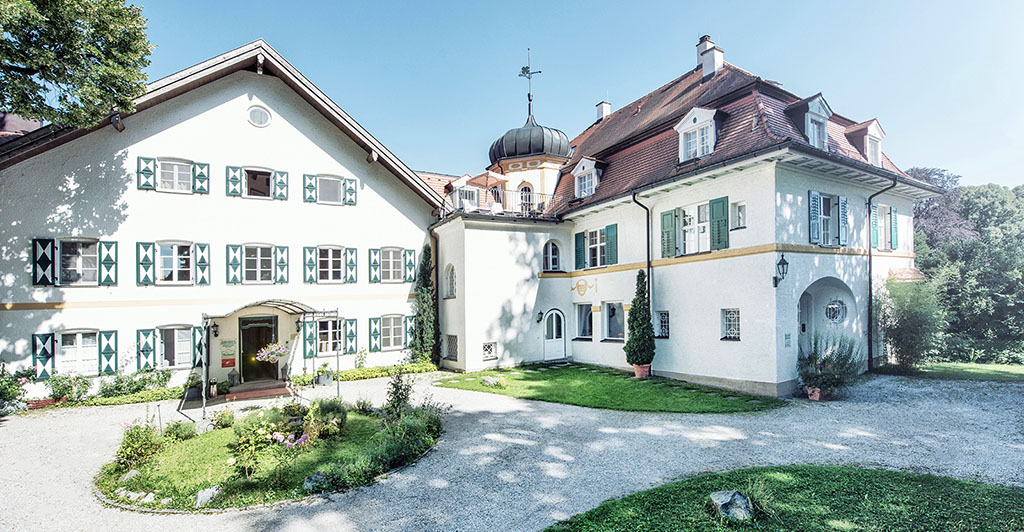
[[639, 347], [424, 344]]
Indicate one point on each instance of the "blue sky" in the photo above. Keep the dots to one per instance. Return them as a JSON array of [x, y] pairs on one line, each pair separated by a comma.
[[437, 83]]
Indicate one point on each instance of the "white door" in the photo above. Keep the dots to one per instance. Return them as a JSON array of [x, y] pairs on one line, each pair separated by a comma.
[[554, 335]]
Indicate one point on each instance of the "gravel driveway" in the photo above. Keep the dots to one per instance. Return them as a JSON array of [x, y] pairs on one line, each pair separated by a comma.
[[509, 464]]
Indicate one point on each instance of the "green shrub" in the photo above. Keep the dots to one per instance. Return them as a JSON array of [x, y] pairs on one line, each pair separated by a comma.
[[306, 379], [74, 387], [122, 384], [404, 439], [830, 362], [639, 346], [180, 431], [146, 396], [911, 320], [252, 437], [360, 373], [140, 442], [325, 419], [10, 388], [399, 394], [223, 387], [364, 406], [223, 418]]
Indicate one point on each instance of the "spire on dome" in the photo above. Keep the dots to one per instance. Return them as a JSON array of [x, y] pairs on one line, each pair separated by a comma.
[[528, 74]]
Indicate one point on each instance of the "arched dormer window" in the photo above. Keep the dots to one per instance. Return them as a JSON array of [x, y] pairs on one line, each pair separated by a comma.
[[552, 257], [449, 281], [586, 176], [697, 134]]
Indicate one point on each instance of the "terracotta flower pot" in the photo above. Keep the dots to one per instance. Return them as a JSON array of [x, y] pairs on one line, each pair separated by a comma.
[[642, 371], [817, 394]]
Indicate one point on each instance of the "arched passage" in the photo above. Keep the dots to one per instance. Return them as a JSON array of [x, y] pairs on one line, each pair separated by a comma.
[[828, 307]]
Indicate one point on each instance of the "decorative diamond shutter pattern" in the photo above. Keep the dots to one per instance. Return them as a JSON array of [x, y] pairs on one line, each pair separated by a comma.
[[43, 355], [145, 348], [374, 265], [668, 234], [309, 269], [280, 264], [410, 328], [200, 178], [107, 347], [844, 220], [581, 251], [374, 334], [145, 270], [351, 343], [814, 216], [147, 173], [409, 259], [108, 263], [198, 344], [202, 255], [874, 225], [44, 261], [894, 226], [309, 343], [719, 226], [611, 244], [351, 268], [234, 264], [280, 180], [350, 192], [233, 181], [309, 188]]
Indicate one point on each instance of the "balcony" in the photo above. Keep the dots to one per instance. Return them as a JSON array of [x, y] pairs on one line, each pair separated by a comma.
[[501, 202]]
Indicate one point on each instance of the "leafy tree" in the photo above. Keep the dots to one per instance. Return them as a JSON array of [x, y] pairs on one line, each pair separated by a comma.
[[423, 343], [911, 321], [639, 347], [939, 218], [71, 62]]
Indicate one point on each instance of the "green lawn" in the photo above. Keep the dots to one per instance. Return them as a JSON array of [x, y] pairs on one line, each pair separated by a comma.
[[973, 372], [598, 387], [181, 469], [812, 499]]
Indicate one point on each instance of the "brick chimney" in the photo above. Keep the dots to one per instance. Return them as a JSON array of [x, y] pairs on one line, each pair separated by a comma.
[[603, 110], [710, 57]]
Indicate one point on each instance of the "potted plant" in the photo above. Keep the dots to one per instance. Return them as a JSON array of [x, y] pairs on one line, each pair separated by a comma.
[[324, 375], [272, 353], [828, 364], [639, 347]]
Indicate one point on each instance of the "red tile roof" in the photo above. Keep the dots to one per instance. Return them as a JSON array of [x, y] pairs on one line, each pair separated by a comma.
[[437, 181]]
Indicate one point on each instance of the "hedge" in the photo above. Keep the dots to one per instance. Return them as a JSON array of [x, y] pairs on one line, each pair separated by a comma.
[[145, 396], [368, 373]]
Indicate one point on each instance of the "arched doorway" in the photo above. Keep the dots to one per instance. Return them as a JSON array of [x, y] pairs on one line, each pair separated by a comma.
[[554, 335], [827, 307], [526, 198]]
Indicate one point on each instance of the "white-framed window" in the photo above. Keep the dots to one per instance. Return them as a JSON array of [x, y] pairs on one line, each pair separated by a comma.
[[737, 215], [449, 281], [175, 266], [874, 151], [817, 133], [585, 184], [730, 324], [259, 116], [330, 336], [693, 233], [697, 142], [526, 198], [829, 220], [662, 323], [451, 347], [258, 263], [595, 248], [175, 176], [490, 351], [175, 346], [392, 332], [614, 321], [79, 262], [552, 257], [329, 189], [584, 320], [467, 198], [330, 263], [391, 267], [835, 311], [78, 353], [696, 133], [884, 227], [257, 183]]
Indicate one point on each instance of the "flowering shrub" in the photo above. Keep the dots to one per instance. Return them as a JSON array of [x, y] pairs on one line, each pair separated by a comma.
[[11, 391], [140, 442], [272, 353], [325, 419], [74, 387]]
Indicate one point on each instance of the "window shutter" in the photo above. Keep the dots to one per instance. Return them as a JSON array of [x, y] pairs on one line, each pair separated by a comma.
[[108, 263], [145, 348], [374, 265], [202, 256], [280, 264], [581, 251], [198, 345], [147, 173], [874, 225], [233, 181], [280, 181], [894, 226], [107, 350], [200, 178], [309, 267], [844, 220], [351, 342], [611, 244], [350, 191], [410, 328], [351, 256], [374, 334], [668, 234], [719, 226], [814, 216], [44, 261], [309, 188], [234, 264], [43, 355], [309, 343], [145, 268], [409, 258]]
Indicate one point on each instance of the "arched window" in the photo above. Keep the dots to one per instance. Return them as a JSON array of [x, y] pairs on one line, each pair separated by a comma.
[[526, 198], [552, 257], [449, 281]]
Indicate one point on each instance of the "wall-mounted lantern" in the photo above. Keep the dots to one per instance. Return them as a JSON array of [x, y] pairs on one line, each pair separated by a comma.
[[540, 317], [298, 325], [216, 330], [781, 269]]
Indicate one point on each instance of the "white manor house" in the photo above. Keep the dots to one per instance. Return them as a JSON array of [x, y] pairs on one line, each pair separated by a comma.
[[239, 205]]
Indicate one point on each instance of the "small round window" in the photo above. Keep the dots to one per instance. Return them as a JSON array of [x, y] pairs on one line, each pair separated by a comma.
[[259, 116], [835, 311]]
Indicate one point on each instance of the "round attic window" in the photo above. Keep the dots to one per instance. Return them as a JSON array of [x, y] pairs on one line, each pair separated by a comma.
[[259, 116]]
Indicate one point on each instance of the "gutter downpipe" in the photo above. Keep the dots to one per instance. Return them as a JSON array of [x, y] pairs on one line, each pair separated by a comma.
[[650, 279], [871, 280]]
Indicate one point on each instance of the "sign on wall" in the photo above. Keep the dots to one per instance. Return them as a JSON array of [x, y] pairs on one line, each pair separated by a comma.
[[227, 362]]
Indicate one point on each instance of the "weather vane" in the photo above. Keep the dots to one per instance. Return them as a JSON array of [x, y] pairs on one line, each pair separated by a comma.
[[528, 74]]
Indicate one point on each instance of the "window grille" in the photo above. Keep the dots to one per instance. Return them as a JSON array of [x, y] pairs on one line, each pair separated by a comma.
[[663, 324], [730, 324], [451, 347], [490, 350]]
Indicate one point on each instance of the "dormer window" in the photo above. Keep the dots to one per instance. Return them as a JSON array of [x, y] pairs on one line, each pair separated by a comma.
[[867, 138], [875, 151], [585, 185], [586, 176], [696, 134], [811, 116], [817, 134]]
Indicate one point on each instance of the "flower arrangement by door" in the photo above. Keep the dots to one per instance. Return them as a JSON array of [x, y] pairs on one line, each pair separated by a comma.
[[272, 353]]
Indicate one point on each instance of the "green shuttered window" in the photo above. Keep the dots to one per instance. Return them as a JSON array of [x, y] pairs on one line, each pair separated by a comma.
[[719, 224], [145, 268], [107, 347], [146, 173], [108, 263], [668, 234], [43, 351]]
